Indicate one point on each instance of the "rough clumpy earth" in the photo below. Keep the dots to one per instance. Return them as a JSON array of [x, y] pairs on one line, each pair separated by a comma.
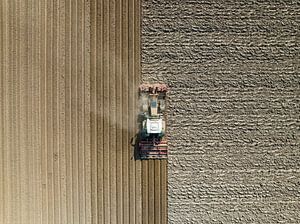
[[234, 105]]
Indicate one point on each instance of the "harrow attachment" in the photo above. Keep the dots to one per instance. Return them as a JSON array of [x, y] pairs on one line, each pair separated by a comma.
[[153, 88], [153, 149]]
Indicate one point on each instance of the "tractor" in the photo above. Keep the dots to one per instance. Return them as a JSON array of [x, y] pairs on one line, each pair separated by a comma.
[[152, 140]]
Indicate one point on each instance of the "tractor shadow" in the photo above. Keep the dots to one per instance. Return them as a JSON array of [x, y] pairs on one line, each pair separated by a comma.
[[135, 140]]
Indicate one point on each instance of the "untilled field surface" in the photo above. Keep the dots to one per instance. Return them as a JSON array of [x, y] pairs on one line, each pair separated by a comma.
[[233, 68], [69, 72]]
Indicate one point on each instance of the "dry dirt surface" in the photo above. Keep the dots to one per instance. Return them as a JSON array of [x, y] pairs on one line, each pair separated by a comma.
[[69, 75], [233, 68]]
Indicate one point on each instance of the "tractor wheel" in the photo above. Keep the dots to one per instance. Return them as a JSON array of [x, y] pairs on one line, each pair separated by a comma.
[[145, 108]]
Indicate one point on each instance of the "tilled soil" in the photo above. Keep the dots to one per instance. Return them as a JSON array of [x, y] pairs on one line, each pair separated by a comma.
[[69, 78]]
